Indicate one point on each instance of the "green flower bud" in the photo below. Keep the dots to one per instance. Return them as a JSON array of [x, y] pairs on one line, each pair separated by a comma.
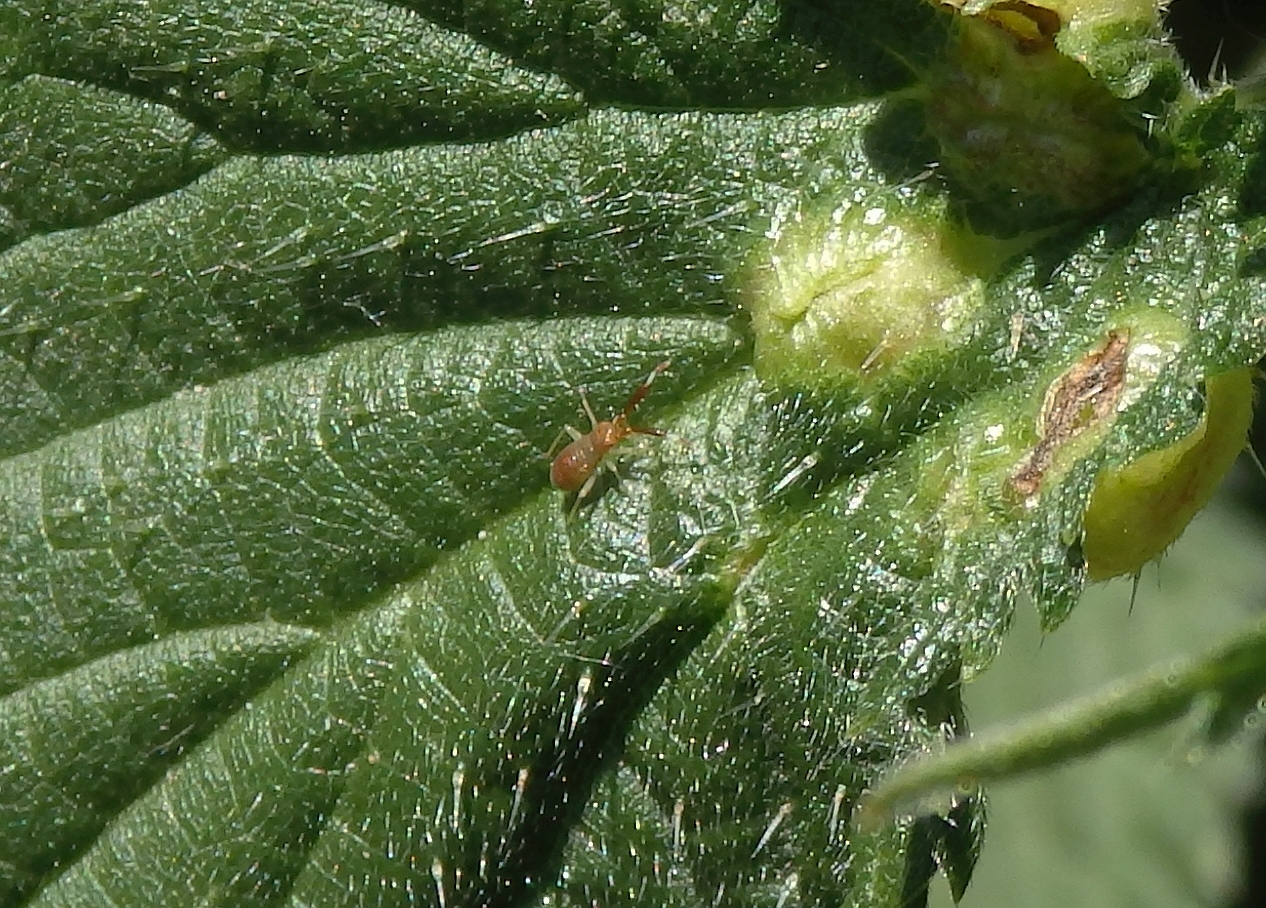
[[1025, 128]]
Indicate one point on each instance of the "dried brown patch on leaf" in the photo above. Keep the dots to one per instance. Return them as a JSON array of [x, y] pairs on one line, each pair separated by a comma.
[[1032, 27], [1084, 396]]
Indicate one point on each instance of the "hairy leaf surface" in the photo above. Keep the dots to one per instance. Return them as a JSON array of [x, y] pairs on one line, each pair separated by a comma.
[[289, 614]]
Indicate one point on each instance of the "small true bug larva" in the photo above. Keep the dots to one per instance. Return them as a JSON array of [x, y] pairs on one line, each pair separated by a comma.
[[575, 469]]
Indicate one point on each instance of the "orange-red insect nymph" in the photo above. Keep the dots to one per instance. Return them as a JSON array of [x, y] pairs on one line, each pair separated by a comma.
[[575, 469]]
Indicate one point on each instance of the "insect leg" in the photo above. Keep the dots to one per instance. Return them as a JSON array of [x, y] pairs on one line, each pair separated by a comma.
[[584, 399], [582, 493], [564, 432], [644, 388]]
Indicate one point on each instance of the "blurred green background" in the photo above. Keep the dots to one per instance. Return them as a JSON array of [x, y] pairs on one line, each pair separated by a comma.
[[1156, 822], [1160, 821]]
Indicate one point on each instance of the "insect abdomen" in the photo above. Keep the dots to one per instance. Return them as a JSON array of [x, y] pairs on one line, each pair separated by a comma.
[[574, 465]]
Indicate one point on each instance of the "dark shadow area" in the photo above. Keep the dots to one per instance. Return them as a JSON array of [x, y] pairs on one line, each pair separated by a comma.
[[1217, 37], [744, 54], [894, 40], [1226, 39], [528, 851], [1246, 482], [951, 842], [1254, 263], [1252, 200], [898, 143], [1118, 231], [1253, 837], [1247, 486]]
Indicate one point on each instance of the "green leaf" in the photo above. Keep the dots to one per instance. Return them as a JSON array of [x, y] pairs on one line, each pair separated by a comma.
[[299, 490], [266, 257], [75, 155], [273, 75], [755, 54], [282, 581], [80, 746]]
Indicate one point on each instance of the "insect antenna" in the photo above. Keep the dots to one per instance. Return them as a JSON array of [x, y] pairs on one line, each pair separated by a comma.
[[643, 389]]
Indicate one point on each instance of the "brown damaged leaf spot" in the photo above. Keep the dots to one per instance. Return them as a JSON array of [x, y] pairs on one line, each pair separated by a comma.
[[1085, 395], [1032, 27]]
